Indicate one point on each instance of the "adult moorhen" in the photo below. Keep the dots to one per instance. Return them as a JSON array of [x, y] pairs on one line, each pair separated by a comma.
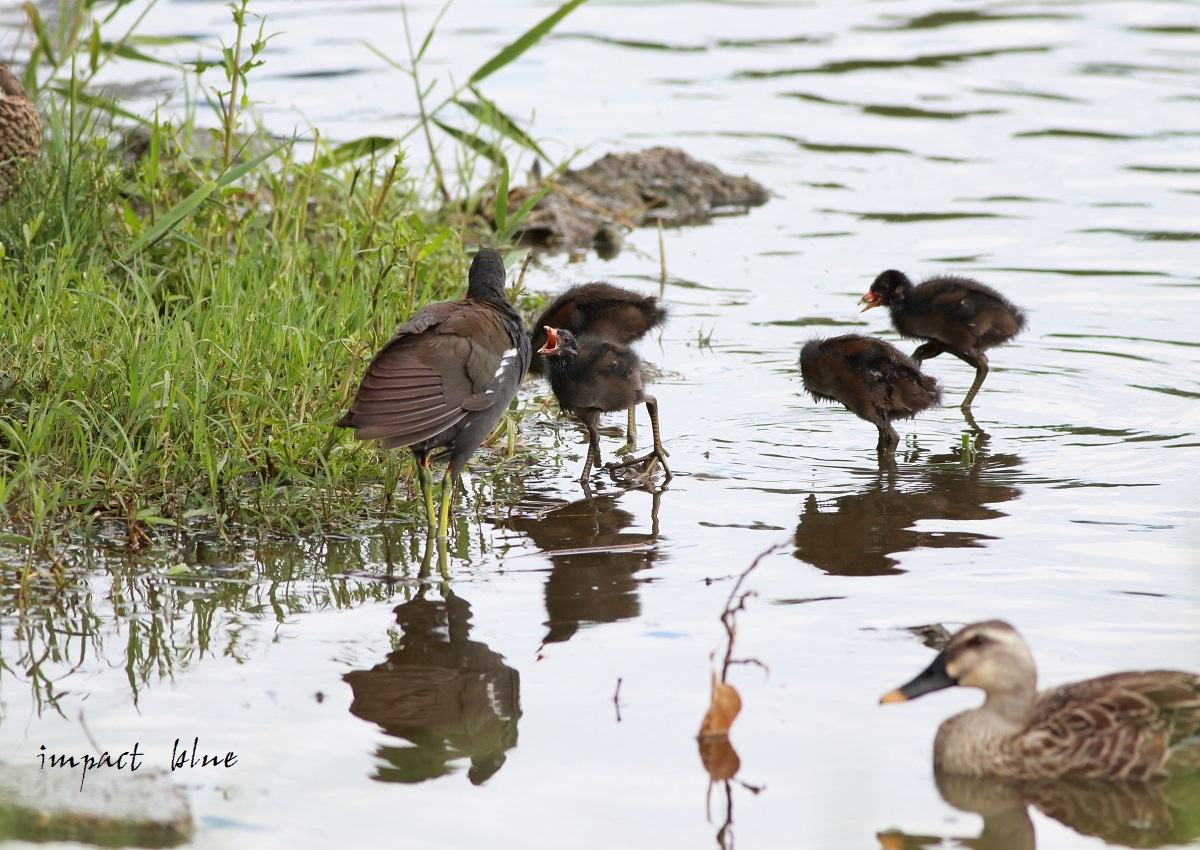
[[444, 379], [954, 314], [875, 380], [591, 375]]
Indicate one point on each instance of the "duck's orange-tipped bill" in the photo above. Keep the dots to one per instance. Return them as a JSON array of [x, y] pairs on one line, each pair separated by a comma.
[[932, 678], [551, 340]]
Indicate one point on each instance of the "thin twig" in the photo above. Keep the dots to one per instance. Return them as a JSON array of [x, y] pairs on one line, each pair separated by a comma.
[[729, 615], [725, 833], [520, 286]]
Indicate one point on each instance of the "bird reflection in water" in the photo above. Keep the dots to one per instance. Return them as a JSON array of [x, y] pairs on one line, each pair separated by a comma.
[[858, 534], [450, 697], [1128, 814], [595, 557]]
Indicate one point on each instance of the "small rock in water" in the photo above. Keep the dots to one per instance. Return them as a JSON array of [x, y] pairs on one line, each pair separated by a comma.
[[115, 809]]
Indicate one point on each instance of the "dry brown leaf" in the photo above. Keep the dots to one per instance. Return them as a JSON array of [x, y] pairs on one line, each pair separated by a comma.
[[724, 708], [893, 839], [719, 757], [890, 841]]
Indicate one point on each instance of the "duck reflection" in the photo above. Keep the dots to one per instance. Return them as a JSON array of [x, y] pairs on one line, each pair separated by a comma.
[[449, 696], [858, 534], [1128, 814], [595, 559]]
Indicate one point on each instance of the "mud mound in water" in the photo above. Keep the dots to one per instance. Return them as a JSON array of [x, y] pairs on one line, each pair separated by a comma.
[[596, 205]]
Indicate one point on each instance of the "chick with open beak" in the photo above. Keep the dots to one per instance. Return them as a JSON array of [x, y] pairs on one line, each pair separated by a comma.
[[591, 375]]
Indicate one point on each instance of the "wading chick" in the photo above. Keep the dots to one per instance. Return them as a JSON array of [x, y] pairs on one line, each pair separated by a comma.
[[590, 376], [1135, 725], [599, 309], [445, 378], [872, 378], [954, 314]]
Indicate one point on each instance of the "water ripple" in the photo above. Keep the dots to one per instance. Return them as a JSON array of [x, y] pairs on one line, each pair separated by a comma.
[[936, 60]]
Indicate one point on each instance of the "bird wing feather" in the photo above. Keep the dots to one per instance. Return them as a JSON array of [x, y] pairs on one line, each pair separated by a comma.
[[434, 371], [959, 303], [492, 365], [1118, 725]]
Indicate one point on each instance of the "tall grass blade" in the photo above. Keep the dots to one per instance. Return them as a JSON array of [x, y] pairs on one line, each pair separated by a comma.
[[353, 149], [193, 201], [161, 40], [500, 212], [117, 6], [94, 48], [126, 51], [486, 112], [432, 29], [388, 59], [526, 41], [40, 32], [506, 232], [480, 146], [104, 104]]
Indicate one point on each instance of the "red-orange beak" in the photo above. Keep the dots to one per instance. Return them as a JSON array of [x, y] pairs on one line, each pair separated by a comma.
[[551, 341], [870, 299]]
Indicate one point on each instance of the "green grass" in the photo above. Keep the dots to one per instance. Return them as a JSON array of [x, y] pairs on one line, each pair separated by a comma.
[[179, 329], [200, 378]]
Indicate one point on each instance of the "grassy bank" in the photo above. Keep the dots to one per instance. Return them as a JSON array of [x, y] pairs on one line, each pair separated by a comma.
[[183, 316]]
